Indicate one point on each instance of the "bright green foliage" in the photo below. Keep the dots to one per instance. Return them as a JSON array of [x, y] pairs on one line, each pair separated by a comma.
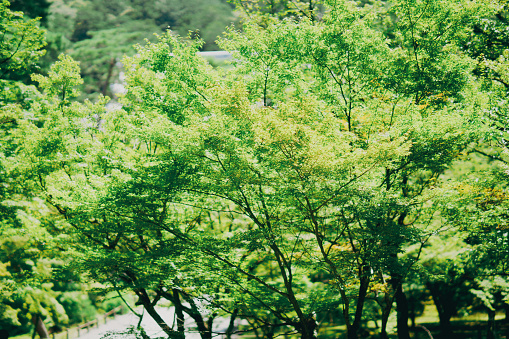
[[489, 36], [381, 194], [485, 204], [28, 258], [21, 41], [98, 169], [31, 243], [301, 182], [21, 46], [19, 50], [261, 10], [61, 81], [427, 63]]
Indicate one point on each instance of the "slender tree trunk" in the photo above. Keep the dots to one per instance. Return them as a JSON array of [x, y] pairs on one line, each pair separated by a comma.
[[402, 309], [399, 296], [386, 307], [40, 328], [491, 324], [145, 300], [106, 84], [353, 330], [385, 318], [445, 308], [307, 324], [231, 325], [363, 289], [204, 327], [351, 334], [179, 312], [397, 283], [307, 327]]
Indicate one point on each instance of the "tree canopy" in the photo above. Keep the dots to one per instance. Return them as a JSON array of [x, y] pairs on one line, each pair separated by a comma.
[[350, 157]]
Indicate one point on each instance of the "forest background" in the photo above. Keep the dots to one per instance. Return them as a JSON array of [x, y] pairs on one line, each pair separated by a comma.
[[348, 167]]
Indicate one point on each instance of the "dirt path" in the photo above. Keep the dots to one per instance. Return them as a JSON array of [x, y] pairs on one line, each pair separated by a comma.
[[122, 322]]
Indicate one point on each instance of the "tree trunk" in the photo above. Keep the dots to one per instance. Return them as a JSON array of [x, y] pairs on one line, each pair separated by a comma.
[[352, 334], [445, 308], [383, 329], [179, 312], [307, 327], [40, 328], [491, 324], [386, 307], [145, 300], [204, 327], [397, 282], [363, 290], [231, 325], [402, 310], [353, 330]]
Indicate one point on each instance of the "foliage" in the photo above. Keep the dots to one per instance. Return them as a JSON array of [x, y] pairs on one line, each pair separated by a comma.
[[21, 41], [20, 48], [32, 8], [31, 240], [98, 36], [315, 177]]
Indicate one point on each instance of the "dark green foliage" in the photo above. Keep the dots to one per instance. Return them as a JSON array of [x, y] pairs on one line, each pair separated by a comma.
[[99, 34], [489, 36], [32, 8], [78, 306]]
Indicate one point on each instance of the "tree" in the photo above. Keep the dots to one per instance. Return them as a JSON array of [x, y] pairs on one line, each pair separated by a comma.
[[85, 30], [327, 139], [100, 56], [31, 246], [19, 50]]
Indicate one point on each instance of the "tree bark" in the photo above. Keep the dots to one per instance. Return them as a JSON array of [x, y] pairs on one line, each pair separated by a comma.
[[386, 311], [363, 289], [402, 313], [353, 330], [306, 327], [491, 325], [351, 334], [204, 327], [145, 300], [445, 308], [179, 312], [231, 325], [40, 328], [396, 282]]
